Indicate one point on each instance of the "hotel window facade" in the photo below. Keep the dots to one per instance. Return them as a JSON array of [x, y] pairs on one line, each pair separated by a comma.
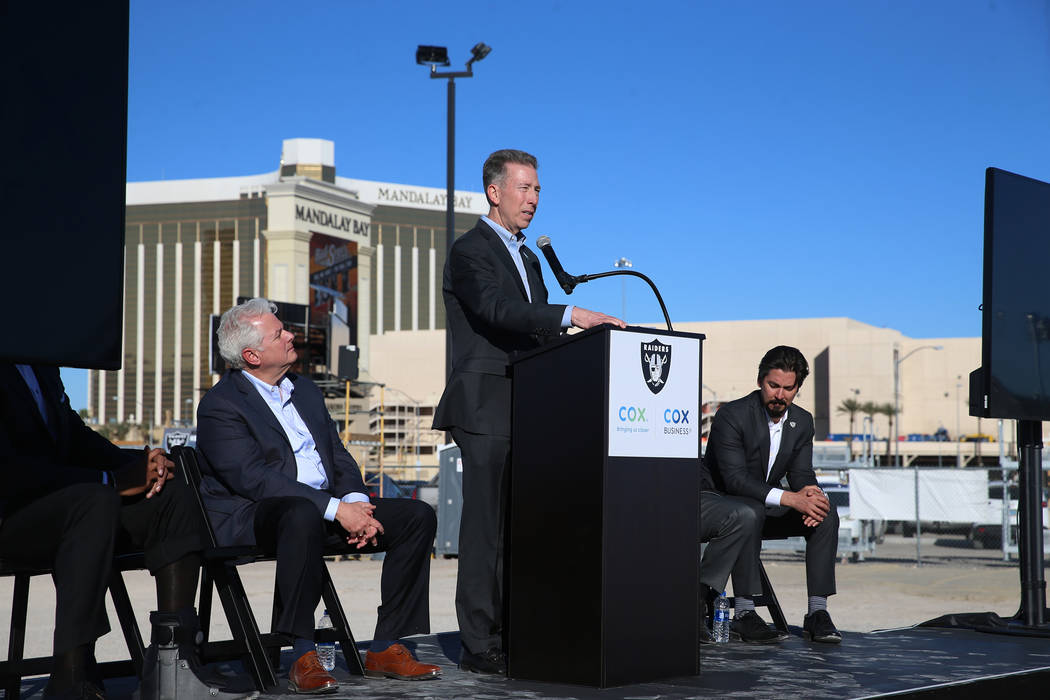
[[193, 246]]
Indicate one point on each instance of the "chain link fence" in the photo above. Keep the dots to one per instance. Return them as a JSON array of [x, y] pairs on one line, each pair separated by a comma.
[[964, 516]]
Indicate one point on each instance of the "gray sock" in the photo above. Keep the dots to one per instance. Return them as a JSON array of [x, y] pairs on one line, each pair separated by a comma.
[[743, 603], [817, 602]]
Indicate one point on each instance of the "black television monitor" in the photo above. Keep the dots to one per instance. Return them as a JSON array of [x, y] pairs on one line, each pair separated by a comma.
[[1014, 379], [62, 185]]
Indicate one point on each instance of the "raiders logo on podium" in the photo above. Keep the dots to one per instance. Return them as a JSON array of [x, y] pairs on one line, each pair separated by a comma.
[[656, 364]]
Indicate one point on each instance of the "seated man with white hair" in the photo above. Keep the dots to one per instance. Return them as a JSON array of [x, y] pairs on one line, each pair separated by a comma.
[[276, 475]]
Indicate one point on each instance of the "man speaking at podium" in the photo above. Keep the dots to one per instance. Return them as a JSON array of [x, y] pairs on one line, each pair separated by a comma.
[[496, 304]]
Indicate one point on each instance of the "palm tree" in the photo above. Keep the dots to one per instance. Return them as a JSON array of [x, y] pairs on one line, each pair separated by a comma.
[[851, 407]]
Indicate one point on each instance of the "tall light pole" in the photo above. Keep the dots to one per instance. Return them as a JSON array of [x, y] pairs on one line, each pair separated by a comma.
[[896, 396], [623, 263], [958, 427], [435, 56]]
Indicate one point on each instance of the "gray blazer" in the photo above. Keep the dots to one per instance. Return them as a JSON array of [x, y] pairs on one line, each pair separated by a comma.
[[738, 449]]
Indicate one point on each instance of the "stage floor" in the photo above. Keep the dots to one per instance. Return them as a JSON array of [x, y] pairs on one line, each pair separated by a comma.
[[911, 662]]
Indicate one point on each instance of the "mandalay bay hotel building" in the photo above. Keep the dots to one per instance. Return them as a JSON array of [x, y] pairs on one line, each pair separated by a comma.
[[372, 252]]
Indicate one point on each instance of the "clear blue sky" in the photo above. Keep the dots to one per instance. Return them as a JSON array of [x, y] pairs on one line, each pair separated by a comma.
[[756, 159]]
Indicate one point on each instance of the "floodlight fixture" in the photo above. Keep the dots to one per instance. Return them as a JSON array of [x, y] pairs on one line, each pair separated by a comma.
[[478, 52], [431, 56]]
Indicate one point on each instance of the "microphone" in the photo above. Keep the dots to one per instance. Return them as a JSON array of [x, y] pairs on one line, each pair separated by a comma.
[[567, 281]]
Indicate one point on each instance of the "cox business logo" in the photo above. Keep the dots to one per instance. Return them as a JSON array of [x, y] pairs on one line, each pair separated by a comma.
[[676, 422], [676, 416]]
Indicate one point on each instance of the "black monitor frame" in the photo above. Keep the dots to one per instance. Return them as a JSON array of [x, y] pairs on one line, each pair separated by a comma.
[[1014, 379]]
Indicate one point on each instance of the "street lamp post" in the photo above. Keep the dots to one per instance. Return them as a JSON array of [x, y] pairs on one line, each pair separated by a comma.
[[896, 443], [435, 56], [415, 405], [896, 396], [623, 263]]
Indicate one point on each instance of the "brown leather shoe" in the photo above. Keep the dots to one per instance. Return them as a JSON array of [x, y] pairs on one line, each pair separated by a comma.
[[308, 676], [398, 662]]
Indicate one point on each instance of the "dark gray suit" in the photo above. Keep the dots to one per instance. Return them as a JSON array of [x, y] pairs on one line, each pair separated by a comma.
[[250, 487], [737, 456], [732, 531], [489, 317]]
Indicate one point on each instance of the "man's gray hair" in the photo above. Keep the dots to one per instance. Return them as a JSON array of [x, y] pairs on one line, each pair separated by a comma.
[[237, 332], [495, 168]]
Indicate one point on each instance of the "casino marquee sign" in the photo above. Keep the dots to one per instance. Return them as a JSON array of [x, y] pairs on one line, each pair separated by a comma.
[[339, 222]]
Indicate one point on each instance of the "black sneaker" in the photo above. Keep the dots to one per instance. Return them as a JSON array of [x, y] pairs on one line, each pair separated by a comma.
[[750, 628], [818, 627], [492, 661], [705, 632]]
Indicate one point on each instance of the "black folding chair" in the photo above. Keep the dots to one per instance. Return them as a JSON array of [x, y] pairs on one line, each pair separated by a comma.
[[259, 652], [16, 667]]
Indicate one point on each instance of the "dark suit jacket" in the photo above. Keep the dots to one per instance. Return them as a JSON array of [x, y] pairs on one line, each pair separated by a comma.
[[246, 456], [35, 462], [489, 317], [738, 449]]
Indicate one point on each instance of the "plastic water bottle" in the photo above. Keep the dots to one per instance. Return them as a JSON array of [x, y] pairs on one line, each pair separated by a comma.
[[326, 650], [721, 625]]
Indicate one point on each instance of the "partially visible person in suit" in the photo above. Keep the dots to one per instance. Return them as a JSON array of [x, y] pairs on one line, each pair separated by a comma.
[[496, 304], [70, 500], [276, 475], [755, 442], [732, 531]]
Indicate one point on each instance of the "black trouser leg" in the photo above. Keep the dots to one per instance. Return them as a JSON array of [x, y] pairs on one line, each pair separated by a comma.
[[167, 527], [479, 586], [292, 530], [71, 531], [746, 579], [405, 588], [732, 530], [822, 544]]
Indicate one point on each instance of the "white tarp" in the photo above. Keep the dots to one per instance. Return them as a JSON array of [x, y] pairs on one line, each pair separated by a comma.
[[945, 495]]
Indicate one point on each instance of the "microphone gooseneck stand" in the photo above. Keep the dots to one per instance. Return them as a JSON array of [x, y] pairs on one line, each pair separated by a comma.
[[568, 282], [580, 279]]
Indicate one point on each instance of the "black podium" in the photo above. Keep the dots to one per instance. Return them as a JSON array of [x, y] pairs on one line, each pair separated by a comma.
[[603, 535]]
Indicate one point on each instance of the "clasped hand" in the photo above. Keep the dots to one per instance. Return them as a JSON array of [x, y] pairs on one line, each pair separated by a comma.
[[356, 518], [811, 502], [131, 481]]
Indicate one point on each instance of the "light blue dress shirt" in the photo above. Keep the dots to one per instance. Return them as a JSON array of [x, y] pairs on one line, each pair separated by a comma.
[[309, 469], [514, 244]]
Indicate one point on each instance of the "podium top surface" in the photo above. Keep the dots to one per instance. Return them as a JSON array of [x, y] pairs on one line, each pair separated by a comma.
[[605, 328]]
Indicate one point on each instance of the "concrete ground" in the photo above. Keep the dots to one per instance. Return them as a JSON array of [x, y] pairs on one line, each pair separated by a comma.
[[883, 592]]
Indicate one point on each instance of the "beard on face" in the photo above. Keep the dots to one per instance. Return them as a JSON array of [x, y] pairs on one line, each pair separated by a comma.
[[776, 408]]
